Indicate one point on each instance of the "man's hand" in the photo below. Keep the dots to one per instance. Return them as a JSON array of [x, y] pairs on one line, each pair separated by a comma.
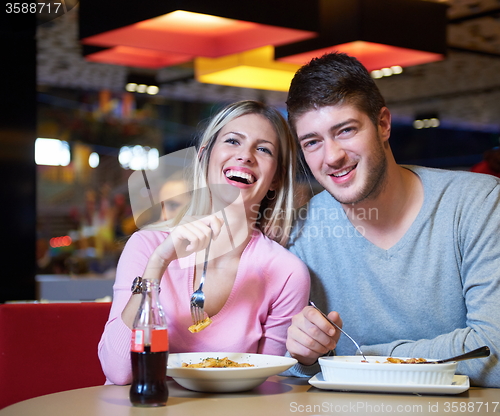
[[311, 336]]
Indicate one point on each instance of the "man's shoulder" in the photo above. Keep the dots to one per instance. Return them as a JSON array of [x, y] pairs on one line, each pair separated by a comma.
[[320, 210], [468, 182], [321, 201], [318, 219]]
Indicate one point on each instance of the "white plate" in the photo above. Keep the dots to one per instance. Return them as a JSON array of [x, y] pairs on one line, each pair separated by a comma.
[[224, 380], [458, 385]]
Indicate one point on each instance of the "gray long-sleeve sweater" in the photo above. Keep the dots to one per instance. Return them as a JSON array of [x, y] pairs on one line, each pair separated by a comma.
[[434, 294]]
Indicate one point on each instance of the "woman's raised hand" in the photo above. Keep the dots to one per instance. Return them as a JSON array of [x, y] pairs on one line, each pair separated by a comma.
[[191, 236]]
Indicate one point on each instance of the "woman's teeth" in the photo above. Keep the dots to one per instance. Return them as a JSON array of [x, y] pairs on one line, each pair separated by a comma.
[[236, 174]]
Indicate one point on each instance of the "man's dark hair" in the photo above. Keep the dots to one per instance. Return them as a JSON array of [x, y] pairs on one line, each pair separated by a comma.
[[334, 78]]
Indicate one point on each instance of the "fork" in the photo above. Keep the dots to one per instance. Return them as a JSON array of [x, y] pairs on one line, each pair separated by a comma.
[[477, 353], [198, 297], [338, 327]]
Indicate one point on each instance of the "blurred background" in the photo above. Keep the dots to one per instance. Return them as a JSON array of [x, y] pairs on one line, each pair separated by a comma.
[[80, 114]]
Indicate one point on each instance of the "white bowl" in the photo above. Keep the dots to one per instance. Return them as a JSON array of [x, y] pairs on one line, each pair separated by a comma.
[[225, 380], [351, 369]]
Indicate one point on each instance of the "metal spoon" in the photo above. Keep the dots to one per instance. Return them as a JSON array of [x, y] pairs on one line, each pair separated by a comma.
[[338, 327], [477, 353]]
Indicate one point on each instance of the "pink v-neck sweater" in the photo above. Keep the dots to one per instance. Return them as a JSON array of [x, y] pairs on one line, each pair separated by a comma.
[[271, 286]]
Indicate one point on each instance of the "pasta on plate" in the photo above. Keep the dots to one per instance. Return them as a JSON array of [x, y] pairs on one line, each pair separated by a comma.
[[216, 363]]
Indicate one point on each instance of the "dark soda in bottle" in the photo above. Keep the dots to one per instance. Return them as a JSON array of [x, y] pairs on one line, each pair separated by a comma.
[[149, 351], [149, 387]]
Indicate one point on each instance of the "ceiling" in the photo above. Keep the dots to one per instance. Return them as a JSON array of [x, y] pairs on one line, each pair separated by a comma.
[[464, 89]]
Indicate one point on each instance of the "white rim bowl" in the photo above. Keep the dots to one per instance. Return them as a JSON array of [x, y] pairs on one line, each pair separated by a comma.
[[351, 369], [225, 380]]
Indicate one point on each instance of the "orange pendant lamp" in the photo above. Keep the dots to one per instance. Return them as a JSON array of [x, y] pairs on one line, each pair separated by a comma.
[[154, 34], [380, 33]]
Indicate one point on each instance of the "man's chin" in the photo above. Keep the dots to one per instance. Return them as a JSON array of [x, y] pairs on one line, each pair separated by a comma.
[[348, 201], [344, 198], [348, 197]]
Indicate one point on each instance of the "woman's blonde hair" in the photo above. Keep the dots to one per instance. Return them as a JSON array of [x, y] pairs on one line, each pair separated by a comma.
[[275, 213]]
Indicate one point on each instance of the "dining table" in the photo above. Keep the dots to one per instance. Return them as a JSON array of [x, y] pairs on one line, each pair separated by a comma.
[[276, 396]]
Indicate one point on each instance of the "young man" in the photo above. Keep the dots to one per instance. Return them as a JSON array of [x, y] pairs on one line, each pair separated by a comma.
[[407, 258]]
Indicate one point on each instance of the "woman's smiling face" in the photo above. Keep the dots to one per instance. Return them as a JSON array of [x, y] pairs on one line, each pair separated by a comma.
[[245, 156]]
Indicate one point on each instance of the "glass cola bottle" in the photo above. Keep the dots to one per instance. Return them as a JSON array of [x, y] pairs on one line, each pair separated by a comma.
[[149, 350]]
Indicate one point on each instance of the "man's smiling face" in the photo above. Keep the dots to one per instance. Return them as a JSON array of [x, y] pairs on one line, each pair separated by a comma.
[[345, 150]]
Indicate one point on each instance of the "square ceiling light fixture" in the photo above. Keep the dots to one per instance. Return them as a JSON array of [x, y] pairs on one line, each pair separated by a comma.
[[379, 33], [251, 69], [154, 34], [135, 57]]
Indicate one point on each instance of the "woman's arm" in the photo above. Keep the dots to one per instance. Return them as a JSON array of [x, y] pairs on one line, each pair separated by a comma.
[[146, 254], [114, 346], [293, 295]]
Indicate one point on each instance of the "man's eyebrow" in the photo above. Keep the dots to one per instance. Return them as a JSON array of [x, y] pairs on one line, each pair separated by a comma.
[[307, 136], [343, 123], [331, 129]]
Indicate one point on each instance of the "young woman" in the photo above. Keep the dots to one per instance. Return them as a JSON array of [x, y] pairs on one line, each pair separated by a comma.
[[243, 203]]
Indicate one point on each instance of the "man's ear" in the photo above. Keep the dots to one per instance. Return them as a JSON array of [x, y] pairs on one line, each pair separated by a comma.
[[384, 124]]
